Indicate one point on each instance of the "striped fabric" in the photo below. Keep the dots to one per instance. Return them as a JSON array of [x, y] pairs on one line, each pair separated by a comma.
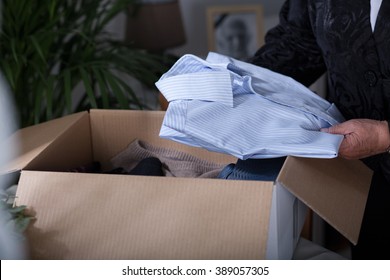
[[233, 107]]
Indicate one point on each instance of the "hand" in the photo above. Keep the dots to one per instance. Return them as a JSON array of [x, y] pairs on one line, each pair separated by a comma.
[[362, 137]]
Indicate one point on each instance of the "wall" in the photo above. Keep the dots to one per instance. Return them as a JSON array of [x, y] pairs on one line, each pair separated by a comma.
[[194, 20]]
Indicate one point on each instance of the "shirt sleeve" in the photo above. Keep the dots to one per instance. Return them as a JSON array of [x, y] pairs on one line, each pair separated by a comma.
[[290, 47]]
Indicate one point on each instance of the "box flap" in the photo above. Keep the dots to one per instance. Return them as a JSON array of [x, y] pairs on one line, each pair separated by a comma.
[[31, 141], [71, 149], [336, 189], [98, 216]]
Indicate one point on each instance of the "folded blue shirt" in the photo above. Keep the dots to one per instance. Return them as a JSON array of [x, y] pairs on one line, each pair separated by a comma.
[[233, 107], [253, 169]]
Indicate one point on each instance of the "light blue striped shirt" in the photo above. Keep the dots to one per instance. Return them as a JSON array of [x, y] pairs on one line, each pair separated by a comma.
[[233, 107]]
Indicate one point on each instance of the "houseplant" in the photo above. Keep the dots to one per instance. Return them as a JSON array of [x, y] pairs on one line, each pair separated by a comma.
[[57, 58], [49, 48]]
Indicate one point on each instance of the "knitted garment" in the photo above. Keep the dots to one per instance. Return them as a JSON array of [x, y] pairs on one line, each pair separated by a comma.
[[175, 163]]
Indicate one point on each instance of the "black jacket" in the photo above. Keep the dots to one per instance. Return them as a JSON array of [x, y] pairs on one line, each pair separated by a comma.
[[315, 36]]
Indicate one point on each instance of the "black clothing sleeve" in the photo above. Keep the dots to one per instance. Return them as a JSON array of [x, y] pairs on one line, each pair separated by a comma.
[[290, 47]]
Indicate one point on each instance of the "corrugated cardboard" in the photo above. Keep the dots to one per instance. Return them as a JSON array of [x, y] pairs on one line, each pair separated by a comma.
[[102, 216]]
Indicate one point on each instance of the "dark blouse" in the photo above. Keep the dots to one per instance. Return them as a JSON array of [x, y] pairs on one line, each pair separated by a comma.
[[315, 36]]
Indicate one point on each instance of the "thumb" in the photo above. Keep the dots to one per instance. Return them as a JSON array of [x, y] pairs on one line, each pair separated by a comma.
[[336, 129], [325, 129]]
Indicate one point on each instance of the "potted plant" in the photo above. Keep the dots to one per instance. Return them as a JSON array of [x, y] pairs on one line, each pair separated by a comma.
[[49, 48], [57, 58]]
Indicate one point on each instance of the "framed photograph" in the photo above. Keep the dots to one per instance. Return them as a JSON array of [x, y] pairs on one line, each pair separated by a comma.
[[236, 31]]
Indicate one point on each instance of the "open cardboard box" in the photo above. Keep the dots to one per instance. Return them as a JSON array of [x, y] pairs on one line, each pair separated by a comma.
[[104, 216]]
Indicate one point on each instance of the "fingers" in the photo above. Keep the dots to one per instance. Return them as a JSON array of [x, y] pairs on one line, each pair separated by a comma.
[[350, 148], [343, 129], [362, 137]]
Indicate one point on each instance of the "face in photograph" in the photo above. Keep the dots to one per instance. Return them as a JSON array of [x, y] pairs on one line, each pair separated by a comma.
[[233, 36]]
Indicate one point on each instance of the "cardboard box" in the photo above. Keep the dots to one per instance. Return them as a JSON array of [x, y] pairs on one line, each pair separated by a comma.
[[103, 216]]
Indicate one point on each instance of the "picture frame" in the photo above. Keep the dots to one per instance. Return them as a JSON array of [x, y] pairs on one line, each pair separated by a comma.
[[235, 30]]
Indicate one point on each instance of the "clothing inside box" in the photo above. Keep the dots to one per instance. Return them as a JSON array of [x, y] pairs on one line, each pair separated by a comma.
[[142, 158]]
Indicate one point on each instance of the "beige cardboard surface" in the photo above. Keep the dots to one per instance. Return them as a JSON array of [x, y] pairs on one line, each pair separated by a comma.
[[70, 149], [32, 141], [84, 216], [113, 130], [335, 189], [87, 216]]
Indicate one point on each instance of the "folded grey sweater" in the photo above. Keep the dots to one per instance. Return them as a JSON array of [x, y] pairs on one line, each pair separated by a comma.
[[175, 163]]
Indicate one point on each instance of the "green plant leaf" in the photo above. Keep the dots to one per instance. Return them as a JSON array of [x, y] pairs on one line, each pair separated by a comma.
[[13, 49], [116, 90], [52, 6], [129, 91], [16, 210], [105, 95], [16, 217], [68, 89], [50, 47], [113, 10], [38, 103], [21, 223], [49, 97], [38, 48], [88, 87]]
